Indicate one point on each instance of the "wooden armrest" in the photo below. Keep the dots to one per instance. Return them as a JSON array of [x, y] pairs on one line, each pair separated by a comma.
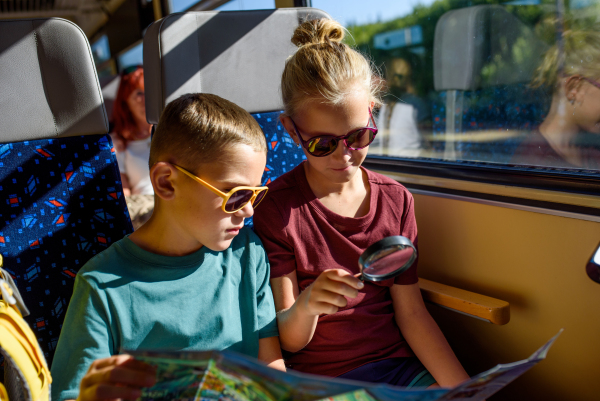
[[469, 303]]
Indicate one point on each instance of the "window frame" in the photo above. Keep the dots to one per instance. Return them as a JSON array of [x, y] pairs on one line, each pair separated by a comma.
[[549, 179]]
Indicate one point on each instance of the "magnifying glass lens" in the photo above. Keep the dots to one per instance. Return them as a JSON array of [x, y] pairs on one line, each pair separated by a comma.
[[388, 261], [387, 258]]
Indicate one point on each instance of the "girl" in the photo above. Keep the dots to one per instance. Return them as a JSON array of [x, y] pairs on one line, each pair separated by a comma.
[[320, 216]]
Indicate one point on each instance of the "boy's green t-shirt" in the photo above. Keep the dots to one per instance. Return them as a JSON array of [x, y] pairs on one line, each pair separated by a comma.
[[128, 298]]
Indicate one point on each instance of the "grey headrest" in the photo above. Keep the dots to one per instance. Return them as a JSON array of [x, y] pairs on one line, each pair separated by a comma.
[[475, 47], [48, 82], [238, 55]]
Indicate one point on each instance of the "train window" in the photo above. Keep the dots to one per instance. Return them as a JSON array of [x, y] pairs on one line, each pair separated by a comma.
[[235, 5], [231, 5], [494, 84], [100, 50], [177, 6], [132, 56], [105, 65]]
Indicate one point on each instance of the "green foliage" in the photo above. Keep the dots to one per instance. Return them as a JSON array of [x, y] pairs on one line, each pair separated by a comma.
[[361, 36]]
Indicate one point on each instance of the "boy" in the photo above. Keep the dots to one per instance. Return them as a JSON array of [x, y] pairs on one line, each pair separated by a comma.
[[192, 277]]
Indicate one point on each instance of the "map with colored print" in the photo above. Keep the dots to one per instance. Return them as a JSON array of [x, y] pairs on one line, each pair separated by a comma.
[[227, 376]]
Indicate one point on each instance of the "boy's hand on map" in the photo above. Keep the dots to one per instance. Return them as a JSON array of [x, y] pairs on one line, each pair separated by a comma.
[[117, 377], [326, 294]]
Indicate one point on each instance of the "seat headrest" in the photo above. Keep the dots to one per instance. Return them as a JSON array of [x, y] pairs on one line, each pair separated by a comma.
[[48, 82], [478, 46], [238, 55]]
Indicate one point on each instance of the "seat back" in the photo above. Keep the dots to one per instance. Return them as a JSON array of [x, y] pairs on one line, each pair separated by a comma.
[[61, 198], [238, 55]]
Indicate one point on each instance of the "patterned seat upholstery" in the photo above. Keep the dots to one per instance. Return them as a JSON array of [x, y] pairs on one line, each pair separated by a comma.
[[283, 155], [61, 199]]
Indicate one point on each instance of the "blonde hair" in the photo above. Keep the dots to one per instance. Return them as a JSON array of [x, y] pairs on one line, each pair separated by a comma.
[[581, 56], [324, 69], [198, 127]]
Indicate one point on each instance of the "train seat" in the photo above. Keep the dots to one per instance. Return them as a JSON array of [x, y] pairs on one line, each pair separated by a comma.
[[226, 53], [240, 55], [484, 59], [60, 190]]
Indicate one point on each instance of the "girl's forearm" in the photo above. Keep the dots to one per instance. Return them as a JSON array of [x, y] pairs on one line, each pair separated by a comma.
[[296, 327], [430, 346], [269, 351]]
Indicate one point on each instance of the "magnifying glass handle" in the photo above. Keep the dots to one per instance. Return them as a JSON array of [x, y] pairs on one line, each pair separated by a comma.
[[359, 276]]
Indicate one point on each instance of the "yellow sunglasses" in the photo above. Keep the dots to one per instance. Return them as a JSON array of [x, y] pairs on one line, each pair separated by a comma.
[[235, 199]]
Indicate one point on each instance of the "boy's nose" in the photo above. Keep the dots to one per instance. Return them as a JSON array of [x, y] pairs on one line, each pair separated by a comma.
[[246, 211]]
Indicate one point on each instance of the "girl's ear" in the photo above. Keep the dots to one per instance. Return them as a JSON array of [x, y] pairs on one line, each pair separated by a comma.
[[162, 175], [289, 127], [572, 86]]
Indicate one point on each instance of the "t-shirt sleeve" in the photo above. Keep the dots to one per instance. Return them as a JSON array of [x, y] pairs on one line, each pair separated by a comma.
[[265, 305], [269, 226], [85, 337], [408, 229]]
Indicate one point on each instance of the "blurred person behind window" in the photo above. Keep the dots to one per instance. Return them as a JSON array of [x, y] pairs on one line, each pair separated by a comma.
[[562, 139], [401, 117]]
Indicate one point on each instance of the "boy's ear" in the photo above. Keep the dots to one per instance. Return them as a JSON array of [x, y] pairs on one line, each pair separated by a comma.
[[289, 127], [162, 175]]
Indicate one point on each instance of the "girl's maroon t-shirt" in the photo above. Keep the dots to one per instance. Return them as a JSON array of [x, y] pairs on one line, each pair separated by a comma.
[[301, 234]]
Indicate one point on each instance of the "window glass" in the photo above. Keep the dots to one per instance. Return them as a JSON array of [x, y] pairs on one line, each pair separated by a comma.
[[232, 5], [132, 56], [235, 5], [511, 83], [182, 5], [100, 50], [105, 66]]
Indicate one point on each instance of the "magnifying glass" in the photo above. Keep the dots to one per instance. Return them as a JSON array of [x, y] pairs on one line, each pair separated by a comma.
[[386, 258]]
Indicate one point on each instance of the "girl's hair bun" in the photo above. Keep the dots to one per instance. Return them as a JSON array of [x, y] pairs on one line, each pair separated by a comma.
[[318, 31], [324, 69]]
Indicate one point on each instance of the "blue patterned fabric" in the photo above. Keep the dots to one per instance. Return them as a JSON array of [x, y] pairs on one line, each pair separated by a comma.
[[283, 155], [514, 107], [61, 202]]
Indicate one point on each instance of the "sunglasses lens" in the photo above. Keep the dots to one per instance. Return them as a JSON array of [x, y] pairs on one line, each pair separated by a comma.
[[260, 196], [321, 146], [360, 139], [238, 200]]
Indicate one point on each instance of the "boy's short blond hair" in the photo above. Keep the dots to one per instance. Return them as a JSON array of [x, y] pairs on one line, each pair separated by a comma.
[[197, 128]]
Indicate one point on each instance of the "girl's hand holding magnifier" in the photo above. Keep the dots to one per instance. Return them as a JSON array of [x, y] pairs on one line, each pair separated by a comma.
[[383, 260], [327, 293]]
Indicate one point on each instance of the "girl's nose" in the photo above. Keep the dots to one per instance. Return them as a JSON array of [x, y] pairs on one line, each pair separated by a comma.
[[342, 150]]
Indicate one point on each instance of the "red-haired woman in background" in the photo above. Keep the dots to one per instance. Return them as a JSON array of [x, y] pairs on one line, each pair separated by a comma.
[[131, 138]]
